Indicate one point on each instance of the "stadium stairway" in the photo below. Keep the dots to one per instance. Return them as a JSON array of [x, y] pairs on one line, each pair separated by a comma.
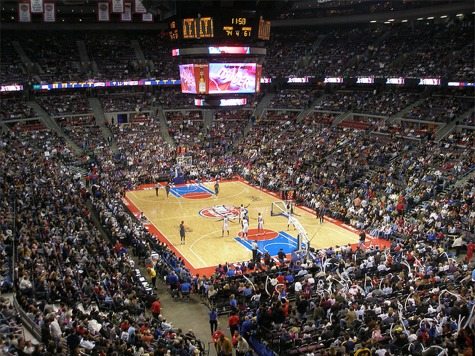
[[404, 111], [29, 64], [51, 124], [3, 127], [311, 108], [138, 50], [449, 189], [158, 113], [83, 56], [444, 131], [340, 118], [100, 118], [261, 107], [208, 117]]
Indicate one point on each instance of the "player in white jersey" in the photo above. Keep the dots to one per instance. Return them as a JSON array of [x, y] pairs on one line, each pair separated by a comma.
[[245, 228], [242, 213], [290, 221], [260, 223], [225, 224]]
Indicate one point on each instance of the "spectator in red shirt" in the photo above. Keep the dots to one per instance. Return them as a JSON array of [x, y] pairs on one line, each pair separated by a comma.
[[216, 336], [233, 322], [470, 249], [156, 308], [235, 338]]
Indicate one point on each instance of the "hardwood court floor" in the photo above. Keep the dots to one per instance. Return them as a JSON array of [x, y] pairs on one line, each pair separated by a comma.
[[204, 245]]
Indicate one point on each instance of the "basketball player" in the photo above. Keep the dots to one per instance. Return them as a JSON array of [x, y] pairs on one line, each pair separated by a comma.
[[225, 225], [323, 211], [157, 187], [290, 221], [245, 228], [216, 188], [182, 233], [242, 212], [167, 188], [260, 223]]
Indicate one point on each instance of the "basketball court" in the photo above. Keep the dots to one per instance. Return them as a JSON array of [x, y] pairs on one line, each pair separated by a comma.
[[202, 212]]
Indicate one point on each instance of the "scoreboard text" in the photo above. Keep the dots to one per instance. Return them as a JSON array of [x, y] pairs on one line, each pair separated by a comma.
[[236, 27], [195, 28]]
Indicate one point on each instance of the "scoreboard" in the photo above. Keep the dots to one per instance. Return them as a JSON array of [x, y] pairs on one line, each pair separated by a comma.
[[239, 27], [211, 27]]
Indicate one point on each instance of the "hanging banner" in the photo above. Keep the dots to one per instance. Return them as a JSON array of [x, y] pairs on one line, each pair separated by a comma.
[[103, 11], [49, 13], [127, 14], [36, 6], [24, 14], [139, 8], [147, 17], [117, 6]]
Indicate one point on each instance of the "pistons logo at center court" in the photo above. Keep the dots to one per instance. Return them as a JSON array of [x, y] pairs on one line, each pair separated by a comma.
[[220, 211]]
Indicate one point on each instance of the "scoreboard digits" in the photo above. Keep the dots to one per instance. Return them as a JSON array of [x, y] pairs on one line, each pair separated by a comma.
[[189, 28], [264, 29], [195, 28], [206, 27], [238, 27]]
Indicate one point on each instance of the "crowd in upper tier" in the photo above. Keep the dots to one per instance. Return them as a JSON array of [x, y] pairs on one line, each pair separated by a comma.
[[443, 49]]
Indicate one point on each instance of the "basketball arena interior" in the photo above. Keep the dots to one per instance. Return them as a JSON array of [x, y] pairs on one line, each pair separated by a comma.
[[224, 177]]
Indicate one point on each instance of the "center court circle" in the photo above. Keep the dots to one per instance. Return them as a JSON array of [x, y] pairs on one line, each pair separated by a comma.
[[262, 235], [220, 211]]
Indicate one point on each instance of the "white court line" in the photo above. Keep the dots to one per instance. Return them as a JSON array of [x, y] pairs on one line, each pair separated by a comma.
[[279, 244], [201, 238], [212, 197], [258, 249], [164, 235]]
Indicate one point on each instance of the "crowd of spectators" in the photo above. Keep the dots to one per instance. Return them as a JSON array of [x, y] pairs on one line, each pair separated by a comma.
[[385, 103], [340, 48], [79, 284], [469, 120], [89, 138], [462, 137], [140, 148], [14, 108], [288, 53], [11, 69], [26, 125], [442, 49], [410, 298], [312, 9], [408, 129], [174, 99], [61, 105], [12, 338], [82, 290], [226, 129], [123, 102], [352, 166], [159, 61], [389, 187], [293, 99], [318, 117], [440, 108], [55, 55], [115, 57], [186, 128]]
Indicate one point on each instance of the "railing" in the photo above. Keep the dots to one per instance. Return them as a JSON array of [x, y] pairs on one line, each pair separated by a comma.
[[26, 321]]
